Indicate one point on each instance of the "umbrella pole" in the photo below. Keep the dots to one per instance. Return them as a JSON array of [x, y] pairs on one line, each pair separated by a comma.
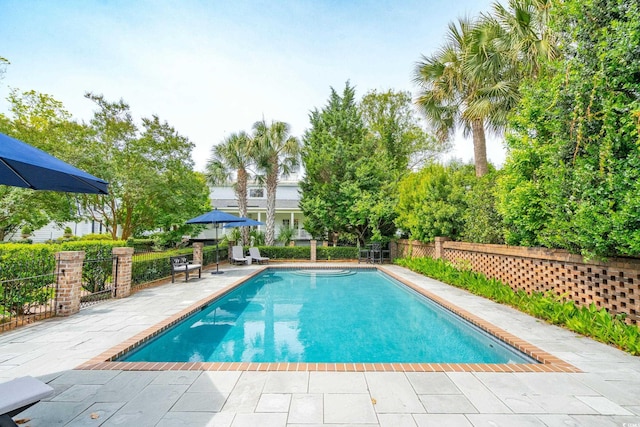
[[217, 253]]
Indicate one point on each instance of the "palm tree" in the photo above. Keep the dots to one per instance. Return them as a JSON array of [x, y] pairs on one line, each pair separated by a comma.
[[448, 92], [234, 154], [473, 80], [277, 154]]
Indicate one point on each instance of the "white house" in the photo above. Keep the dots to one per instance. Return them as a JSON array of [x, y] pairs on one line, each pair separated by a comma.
[[288, 212]]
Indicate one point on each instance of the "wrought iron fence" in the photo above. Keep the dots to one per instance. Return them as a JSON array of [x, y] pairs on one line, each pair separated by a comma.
[[27, 291], [99, 279], [209, 254], [148, 266]]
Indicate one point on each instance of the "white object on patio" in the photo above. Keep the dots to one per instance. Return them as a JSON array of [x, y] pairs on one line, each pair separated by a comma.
[[238, 257], [254, 253]]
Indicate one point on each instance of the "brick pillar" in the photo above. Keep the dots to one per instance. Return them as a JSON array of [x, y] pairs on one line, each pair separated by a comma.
[[314, 244], [122, 265], [69, 282], [197, 253], [393, 250], [439, 246], [230, 245]]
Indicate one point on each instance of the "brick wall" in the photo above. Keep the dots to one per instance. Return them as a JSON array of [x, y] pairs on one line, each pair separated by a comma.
[[613, 285]]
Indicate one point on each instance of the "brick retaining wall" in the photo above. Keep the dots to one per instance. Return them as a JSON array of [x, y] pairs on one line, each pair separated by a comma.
[[613, 285]]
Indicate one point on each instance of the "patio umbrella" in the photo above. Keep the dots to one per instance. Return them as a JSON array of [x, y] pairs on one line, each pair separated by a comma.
[[22, 165], [215, 217], [246, 222]]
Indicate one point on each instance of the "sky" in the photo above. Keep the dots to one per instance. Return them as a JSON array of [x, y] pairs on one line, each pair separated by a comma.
[[212, 68]]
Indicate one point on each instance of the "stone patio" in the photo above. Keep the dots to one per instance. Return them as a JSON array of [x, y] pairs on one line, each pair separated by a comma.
[[606, 393]]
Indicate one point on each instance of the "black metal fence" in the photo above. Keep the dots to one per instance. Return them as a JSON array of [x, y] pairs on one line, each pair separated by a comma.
[[99, 279], [27, 292]]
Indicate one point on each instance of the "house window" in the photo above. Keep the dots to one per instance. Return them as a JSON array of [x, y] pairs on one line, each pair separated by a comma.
[[296, 223], [285, 223], [256, 192]]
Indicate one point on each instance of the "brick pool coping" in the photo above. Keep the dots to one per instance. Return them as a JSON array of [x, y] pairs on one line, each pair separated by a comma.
[[548, 362]]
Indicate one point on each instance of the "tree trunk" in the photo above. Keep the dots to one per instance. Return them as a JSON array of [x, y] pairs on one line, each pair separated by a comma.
[[241, 192], [479, 148], [272, 185]]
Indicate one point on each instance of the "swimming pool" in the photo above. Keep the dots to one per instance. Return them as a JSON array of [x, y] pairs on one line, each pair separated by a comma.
[[324, 316]]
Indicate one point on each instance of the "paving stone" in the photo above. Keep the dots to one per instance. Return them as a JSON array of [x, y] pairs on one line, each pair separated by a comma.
[[95, 415], [603, 405], [258, 419], [432, 383], [199, 419], [348, 409], [47, 414], [125, 386], [148, 406], [306, 408], [504, 420], [441, 420], [287, 382], [85, 377], [479, 395], [396, 420], [337, 382], [447, 404], [246, 393], [77, 393], [215, 382], [200, 402], [273, 403], [176, 377], [393, 393]]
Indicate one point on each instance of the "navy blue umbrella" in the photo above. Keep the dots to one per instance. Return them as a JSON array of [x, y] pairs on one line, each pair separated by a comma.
[[215, 217], [22, 165], [246, 222]]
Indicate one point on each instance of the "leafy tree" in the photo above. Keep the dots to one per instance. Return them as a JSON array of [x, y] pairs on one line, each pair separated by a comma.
[[331, 148], [571, 177], [352, 170], [150, 172], [432, 201], [235, 154], [392, 121], [277, 153], [41, 121]]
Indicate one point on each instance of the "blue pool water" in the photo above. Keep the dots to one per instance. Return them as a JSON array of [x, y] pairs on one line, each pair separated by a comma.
[[325, 316]]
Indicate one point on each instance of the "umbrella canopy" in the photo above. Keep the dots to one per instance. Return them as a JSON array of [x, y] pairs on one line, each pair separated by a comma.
[[22, 165], [246, 222], [215, 217]]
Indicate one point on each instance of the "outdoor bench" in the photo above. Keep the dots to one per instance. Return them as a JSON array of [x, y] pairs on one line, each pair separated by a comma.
[[19, 394], [181, 264]]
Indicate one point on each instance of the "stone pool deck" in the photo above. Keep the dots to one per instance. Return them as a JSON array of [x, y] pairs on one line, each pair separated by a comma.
[[605, 393]]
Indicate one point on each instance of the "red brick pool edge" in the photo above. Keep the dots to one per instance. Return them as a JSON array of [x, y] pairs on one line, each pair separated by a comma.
[[548, 363]]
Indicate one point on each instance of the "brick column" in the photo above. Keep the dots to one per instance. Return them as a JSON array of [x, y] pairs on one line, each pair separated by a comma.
[[314, 244], [393, 250], [439, 246], [69, 282], [122, 265], [197, 253]]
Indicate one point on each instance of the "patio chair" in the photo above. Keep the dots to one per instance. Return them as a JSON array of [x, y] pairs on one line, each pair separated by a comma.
[[19, 394], [237, 257], [254, 253]]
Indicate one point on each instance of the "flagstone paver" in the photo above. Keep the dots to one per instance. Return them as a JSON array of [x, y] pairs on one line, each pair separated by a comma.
[[604, 394]]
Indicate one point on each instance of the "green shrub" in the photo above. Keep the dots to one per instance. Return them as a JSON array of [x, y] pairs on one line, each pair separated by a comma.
[[338, 252], [285, 252], [26, 273], [590, 321], [96, 236]]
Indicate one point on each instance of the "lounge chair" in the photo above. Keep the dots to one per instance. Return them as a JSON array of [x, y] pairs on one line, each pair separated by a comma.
[[254, 253], [19, 394], [237, 257]]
